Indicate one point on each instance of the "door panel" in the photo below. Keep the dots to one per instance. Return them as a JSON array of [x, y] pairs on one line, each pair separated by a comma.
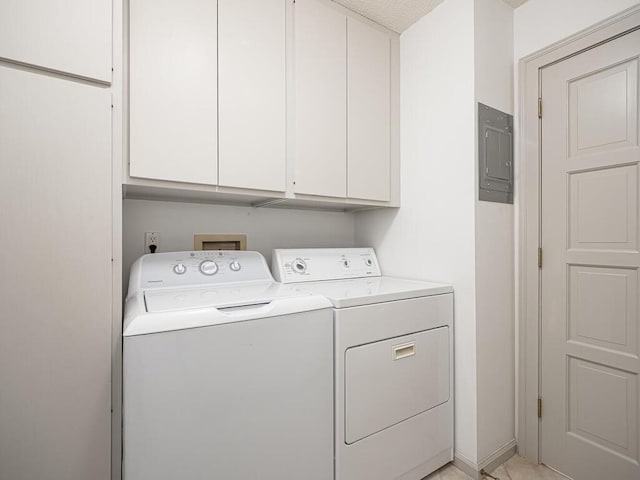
[[56, 291], [251, 63], [173, 90], [71, 36], [320, 100], [590, 287], [369, 104]]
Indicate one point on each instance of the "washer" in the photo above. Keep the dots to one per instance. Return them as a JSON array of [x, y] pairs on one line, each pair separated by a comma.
[[393, 362], [227, 374]]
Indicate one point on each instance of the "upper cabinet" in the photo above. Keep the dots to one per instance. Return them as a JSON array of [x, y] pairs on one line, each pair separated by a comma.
[[262, 100], [343, 104], [70, 36], [173, 70], [252, 94], [320, 40], [368, 112]]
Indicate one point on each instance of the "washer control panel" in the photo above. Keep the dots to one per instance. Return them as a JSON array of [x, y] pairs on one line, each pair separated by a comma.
[[317, 264], [174, 269]]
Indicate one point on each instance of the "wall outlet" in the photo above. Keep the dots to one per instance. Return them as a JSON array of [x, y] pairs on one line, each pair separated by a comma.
[[151, 238]]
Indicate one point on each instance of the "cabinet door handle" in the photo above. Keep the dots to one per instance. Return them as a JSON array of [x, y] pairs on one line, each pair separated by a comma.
[[403, 351]]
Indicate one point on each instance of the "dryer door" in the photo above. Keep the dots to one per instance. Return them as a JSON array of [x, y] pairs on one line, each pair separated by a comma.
[[392, 380]]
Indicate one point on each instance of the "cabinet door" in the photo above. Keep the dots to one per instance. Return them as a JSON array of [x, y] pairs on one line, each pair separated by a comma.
[[252, 94], [173, 90], [320, 46], [71, 36], [55, 290], [369, 103]]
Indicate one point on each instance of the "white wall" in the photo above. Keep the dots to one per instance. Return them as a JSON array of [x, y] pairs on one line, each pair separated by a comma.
[[495, 314], [432, 235], [266, 228], [539, 23]]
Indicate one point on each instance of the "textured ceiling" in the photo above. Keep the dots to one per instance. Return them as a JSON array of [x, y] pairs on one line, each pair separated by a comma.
[[398, 15]]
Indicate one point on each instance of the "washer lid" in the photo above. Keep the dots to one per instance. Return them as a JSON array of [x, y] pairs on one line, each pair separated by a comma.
[[229, 295], [365, 291], [164, 310]]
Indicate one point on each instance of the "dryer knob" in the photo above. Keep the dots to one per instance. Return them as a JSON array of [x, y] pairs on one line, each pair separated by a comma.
[[179, 269], [235, 266], [299, 265], [208, 267]]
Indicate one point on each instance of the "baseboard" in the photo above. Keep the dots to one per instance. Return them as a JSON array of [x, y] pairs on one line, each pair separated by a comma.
[[489, 463], [467, 466], [498, 457]]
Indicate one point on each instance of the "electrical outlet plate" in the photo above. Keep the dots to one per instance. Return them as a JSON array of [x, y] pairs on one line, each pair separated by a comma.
[[151, 238]]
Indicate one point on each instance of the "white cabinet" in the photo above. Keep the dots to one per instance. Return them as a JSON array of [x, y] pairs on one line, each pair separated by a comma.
[[343, 104], [368, 112], [56, 288], [260, 101], [320, 40], [70, 36], [252, 94], [173, 90]]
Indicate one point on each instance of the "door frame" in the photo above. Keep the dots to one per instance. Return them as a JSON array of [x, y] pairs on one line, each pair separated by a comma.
[[528, 211]]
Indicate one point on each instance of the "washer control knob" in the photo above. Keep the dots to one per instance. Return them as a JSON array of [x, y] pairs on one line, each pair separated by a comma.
[[179, 269], [235, 266], [208, 267], [299, 265], [368, 262], [346, 263]]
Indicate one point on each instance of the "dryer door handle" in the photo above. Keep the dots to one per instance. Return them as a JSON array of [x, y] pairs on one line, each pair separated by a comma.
[[403, 351]]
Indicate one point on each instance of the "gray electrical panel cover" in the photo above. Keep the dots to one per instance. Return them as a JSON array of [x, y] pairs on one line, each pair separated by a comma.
[[495, 155]]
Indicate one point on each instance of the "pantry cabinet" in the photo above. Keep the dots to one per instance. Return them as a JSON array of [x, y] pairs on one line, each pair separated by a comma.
[[68, 36], [173, 111], [56, 292], [320, 134], [252, 94]]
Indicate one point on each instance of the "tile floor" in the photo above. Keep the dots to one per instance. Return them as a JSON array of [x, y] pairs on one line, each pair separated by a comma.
[[516, 468]]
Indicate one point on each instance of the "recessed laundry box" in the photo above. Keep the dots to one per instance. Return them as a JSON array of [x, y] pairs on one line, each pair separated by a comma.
[[393, 380]]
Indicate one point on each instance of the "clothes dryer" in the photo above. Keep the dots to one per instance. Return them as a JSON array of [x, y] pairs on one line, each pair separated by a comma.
[[393, 362]]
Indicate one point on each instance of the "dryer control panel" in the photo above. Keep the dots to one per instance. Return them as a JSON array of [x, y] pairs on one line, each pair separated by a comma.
[[318, 264]]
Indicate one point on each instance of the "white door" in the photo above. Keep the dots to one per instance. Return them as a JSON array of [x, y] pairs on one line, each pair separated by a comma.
[[173, 77], [320, 45], [252, 94], [590, 286], [369, 111], [55, 289]]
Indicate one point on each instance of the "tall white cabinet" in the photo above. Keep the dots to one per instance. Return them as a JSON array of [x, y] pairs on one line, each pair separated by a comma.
[[56, 239], [56, 286]]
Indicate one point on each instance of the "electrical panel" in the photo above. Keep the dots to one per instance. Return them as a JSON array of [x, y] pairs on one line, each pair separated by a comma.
[[495, 155]]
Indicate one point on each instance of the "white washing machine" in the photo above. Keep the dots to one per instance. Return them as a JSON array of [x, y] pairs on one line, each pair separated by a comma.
[[227, 375], [393, 362]]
